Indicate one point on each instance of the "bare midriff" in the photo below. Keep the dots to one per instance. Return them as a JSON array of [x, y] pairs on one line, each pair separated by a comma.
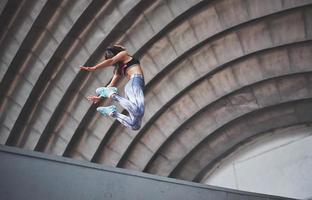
[[136, 69]]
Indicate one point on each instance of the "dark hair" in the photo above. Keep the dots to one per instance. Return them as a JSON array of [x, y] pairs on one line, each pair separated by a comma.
[[113, 51]]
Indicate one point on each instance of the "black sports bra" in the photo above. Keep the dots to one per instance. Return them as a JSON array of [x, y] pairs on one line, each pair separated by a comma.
[[122, 68]]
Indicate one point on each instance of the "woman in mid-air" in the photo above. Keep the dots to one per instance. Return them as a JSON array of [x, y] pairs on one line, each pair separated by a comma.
[[128, 66]]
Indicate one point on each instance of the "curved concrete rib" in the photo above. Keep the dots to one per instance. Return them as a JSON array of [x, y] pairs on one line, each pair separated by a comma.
[[88, 140], [203, 91], [54, 57], [81, 131], [50, 142], [119, 130], [69, 43], [287, 114], [214, 116], [17, 79], [176, 79], [300, 131], [11, 10], [148, 77], [60, 98], [105, 22], [15, 20]]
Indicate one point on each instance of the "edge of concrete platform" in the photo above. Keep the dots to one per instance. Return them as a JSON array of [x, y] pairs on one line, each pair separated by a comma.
[[69, 161]]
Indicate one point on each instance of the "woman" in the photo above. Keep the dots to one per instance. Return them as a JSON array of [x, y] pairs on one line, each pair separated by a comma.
[[125, 65]]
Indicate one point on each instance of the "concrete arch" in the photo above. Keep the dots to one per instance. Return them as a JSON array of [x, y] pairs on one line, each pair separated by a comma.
[[202, 86], [229, 61], [214, 116], [204, 101], [266, 155], [9, 11], [118, 129], [59, 116], [172, 90], [95, 5], [180, 14], [80, 130], [54, 59], [294, 112], [56, 121], [18, 56]]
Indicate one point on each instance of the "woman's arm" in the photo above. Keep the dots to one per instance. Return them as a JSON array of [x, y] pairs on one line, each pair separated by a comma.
[[121, 56], [114, 80]]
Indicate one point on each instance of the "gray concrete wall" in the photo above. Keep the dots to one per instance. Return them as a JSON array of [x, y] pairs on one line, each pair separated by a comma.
[[281, 158], [217, 73], [28, 175]]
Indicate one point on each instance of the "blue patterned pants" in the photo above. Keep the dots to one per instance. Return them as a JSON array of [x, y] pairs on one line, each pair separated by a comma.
[[133, 103]]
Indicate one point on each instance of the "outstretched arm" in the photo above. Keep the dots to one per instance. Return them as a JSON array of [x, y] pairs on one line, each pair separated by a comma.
[[108, 62], [114, 80]]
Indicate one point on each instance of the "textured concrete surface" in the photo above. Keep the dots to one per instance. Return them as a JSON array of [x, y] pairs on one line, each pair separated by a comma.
[[208, 65], [244, 169], [21, 168], [168, 86], [216, 115]]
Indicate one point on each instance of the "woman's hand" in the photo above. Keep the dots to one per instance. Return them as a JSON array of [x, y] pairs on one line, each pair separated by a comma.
[[94, 99], [90, 69]]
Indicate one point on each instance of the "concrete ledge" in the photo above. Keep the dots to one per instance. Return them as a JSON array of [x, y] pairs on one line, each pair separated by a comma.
[[33, 175]]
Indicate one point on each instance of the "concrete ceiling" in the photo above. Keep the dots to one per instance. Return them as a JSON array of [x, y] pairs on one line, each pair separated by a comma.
[[217, 73]]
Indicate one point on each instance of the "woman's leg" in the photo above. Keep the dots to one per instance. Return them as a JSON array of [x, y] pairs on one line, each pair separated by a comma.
[[134, 103], [125, 103], [125, 120]]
